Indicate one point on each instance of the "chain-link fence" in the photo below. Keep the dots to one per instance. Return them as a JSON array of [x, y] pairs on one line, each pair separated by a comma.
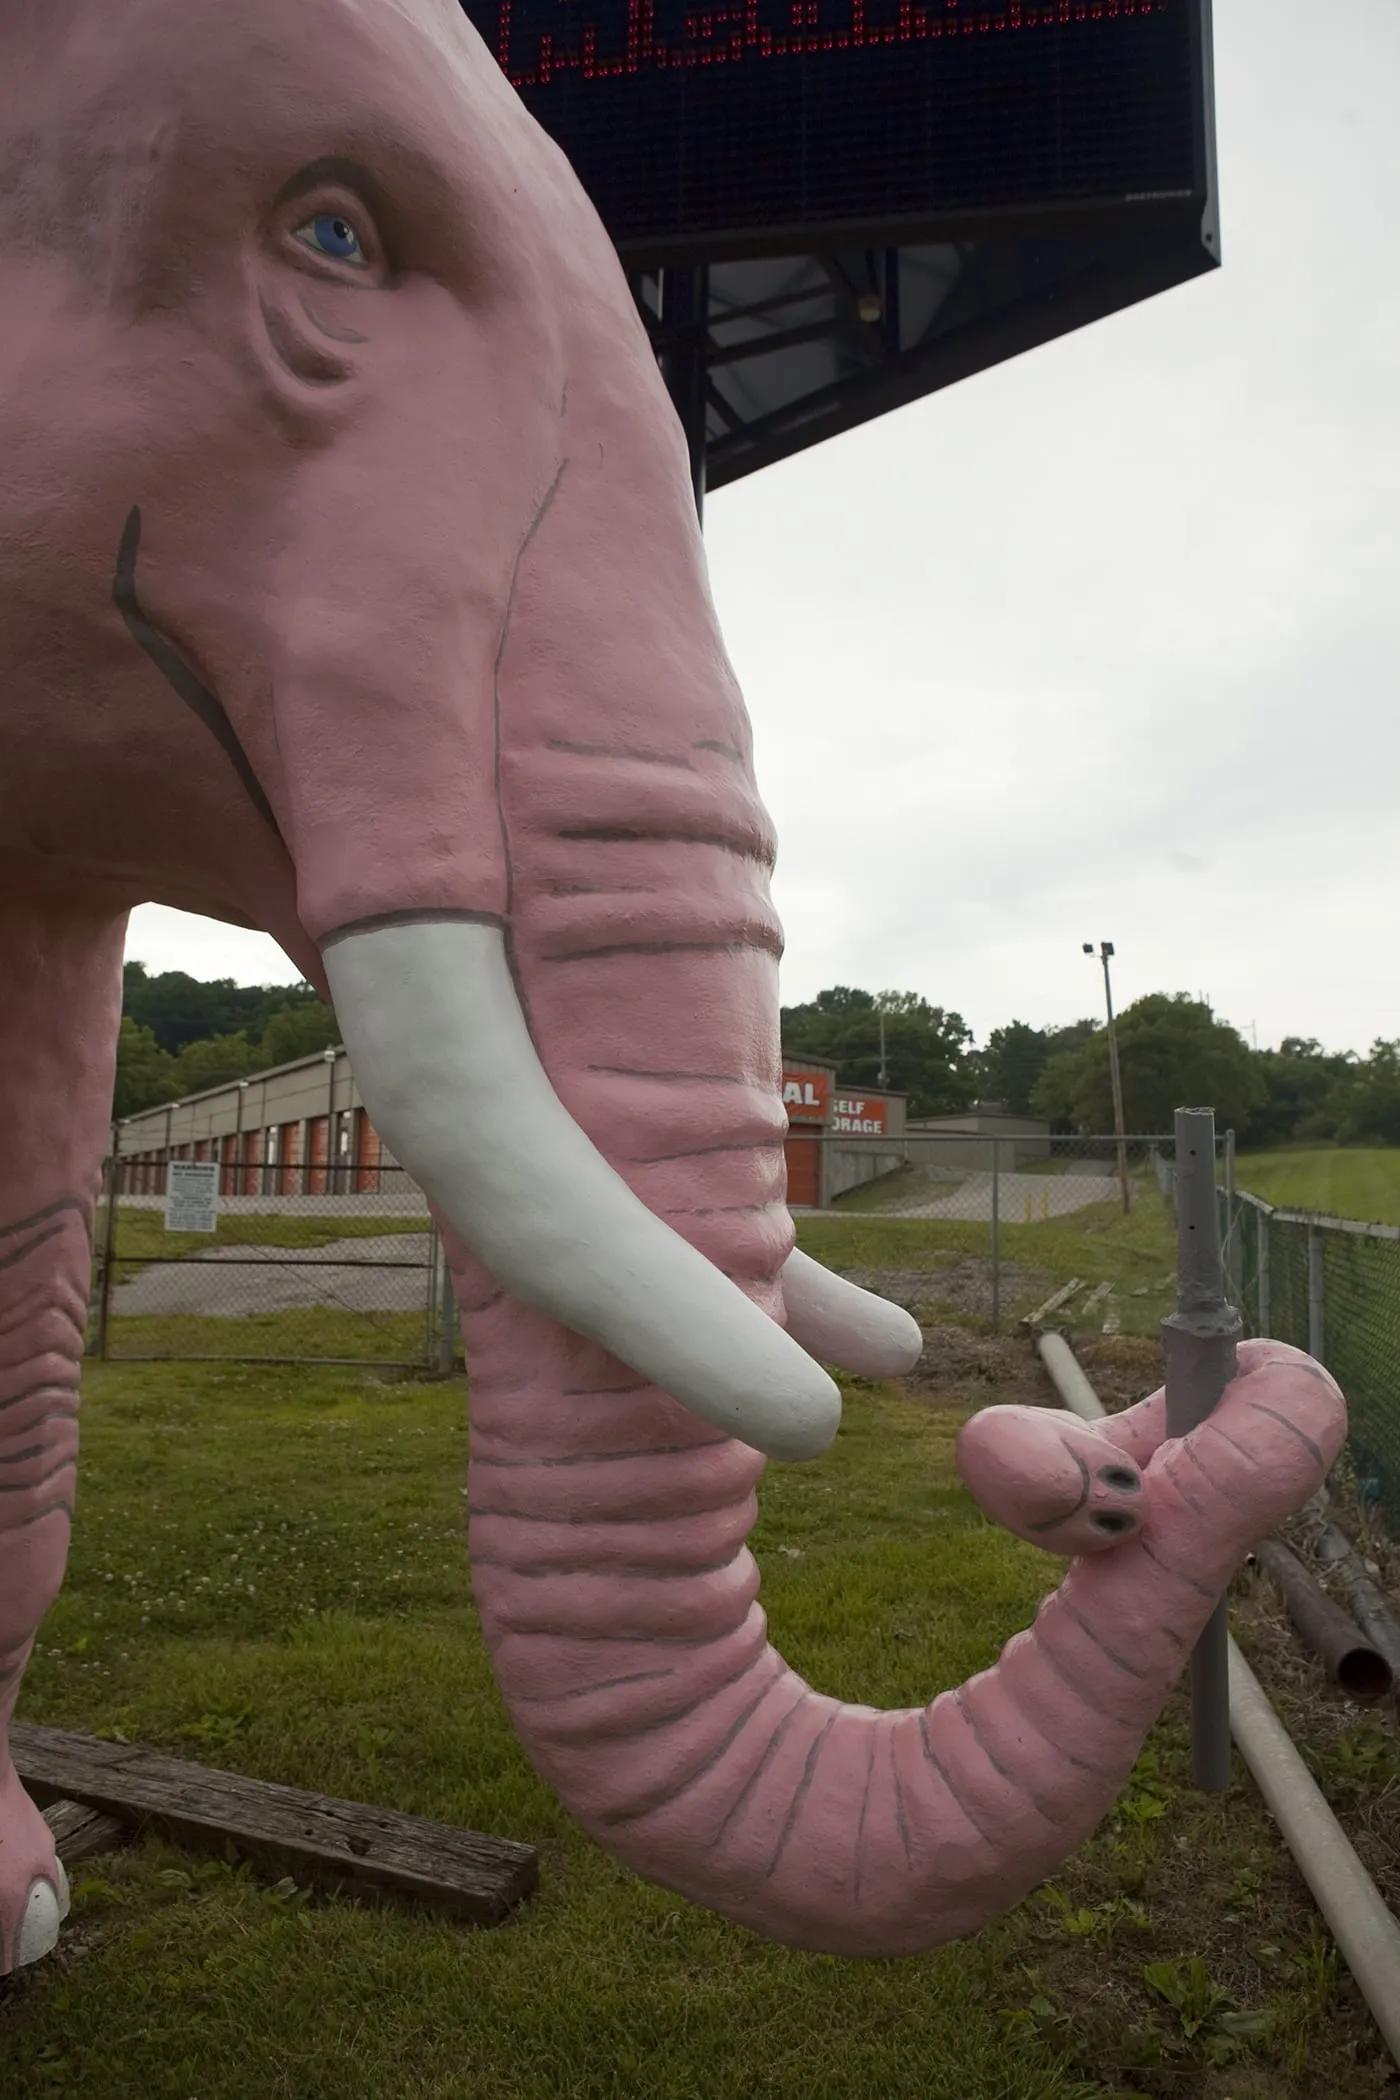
[[298, 1260], [248, 1263], [971, 1226], [1330, 1286]]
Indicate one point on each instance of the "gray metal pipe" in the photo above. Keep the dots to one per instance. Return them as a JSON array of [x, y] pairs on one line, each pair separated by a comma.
[[1368, 1607], [1323, 1626], [1364, 1930], [1199, 1340]]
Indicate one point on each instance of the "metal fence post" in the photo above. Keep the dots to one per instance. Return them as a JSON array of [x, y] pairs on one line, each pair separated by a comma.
[[1316, 1328], [444, 1301], [996, 1235], [109, 1241], [1262, 1297], [1234, 1282]]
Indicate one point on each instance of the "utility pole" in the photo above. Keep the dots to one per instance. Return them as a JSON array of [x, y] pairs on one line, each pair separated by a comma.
[[1120, 1129], [884, 1078]]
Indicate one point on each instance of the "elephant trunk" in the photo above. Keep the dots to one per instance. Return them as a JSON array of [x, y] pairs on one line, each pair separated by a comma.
[[619, 1603], [609, 1513]]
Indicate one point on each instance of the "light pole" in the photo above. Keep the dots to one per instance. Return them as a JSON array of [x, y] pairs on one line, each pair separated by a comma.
[[240, 1172], [1105, 952], [330, 1055]]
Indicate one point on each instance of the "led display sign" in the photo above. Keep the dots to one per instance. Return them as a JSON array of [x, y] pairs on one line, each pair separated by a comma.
[[749, 126]]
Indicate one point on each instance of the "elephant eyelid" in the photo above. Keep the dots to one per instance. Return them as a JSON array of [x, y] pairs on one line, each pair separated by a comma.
[[342, 189]]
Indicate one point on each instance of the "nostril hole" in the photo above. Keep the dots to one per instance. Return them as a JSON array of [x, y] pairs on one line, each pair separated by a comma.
[[1119, 1477], [1107, 1521]]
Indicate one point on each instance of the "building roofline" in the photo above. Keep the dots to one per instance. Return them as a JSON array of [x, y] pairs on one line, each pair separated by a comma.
[[228, 1086]]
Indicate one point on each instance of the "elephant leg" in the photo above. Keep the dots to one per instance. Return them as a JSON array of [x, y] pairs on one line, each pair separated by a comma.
[[60, 965]]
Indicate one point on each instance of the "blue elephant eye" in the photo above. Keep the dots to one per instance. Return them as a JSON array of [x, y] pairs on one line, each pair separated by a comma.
[[330, 234]]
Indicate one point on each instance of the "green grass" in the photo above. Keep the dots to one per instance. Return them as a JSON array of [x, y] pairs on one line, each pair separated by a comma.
[[268, 1574], [320, 1332], [1350, 1182], [1136, 1254]]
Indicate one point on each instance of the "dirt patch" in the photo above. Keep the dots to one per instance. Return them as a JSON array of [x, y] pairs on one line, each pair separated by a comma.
[[1122, 1368], [964, 1370], [959, 1289]]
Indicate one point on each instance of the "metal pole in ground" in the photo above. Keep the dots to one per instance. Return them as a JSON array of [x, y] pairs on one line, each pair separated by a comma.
[[1317, 1328], [109, 1241], [1200, 1338], [996, 1235], [1106, 951], [1232, 1241], [447, 1315]]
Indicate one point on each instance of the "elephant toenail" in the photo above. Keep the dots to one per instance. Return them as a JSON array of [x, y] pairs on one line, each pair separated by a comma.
[[1119, 1477], [43, 1914]]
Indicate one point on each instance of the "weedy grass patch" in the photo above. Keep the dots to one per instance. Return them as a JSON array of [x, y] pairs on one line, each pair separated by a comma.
[[1135, 1255]]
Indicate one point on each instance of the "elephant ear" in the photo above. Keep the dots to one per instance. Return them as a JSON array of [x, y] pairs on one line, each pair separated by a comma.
[[841, 1324]]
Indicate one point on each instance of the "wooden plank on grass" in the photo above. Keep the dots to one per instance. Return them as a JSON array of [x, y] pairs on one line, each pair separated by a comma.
[[344, 1847], [78, 1832], [1052, 1303]]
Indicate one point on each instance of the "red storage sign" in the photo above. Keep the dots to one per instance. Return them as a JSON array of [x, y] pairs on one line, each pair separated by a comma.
[[860, 1115], [807, 1096]]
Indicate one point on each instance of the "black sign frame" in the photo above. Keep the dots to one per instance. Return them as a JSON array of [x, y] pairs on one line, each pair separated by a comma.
[[776, 335]]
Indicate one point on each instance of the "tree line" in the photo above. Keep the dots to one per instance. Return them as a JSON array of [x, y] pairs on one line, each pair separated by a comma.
[[1172, 1050], [180, 1034]]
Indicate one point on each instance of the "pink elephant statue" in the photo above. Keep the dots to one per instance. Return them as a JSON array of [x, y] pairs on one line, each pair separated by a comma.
[[351, 588]]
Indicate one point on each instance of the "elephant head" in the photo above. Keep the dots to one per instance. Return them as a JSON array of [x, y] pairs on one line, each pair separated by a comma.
[[352, 589]]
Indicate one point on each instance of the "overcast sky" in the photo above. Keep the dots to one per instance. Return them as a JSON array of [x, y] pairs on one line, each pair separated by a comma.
[[1103, 643]]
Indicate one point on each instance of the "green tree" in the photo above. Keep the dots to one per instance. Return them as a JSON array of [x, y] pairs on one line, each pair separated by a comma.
[[297, 1031], [1010, 1066], [146, 1074], [1055, 1095], [181, 1009], [1307, 1092], [926, 1048], [213, 1060], [1372, 1106], [1173, 1054]]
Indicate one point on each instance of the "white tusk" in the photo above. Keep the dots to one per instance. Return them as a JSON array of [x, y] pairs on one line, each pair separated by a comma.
[[444, 1060], [844, 1325]]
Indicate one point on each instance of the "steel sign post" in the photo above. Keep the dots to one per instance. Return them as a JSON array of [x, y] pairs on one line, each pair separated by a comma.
[[1200, 1340]]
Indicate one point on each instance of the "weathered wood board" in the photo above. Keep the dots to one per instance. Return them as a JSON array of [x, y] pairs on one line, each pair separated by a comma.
[[344, 1847], [78, 1832]]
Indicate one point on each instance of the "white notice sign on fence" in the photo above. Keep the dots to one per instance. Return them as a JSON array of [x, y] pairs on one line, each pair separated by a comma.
[[192, 1195]]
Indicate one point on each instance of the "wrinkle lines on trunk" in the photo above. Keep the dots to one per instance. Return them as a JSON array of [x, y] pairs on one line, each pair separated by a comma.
[[663, 1796]]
